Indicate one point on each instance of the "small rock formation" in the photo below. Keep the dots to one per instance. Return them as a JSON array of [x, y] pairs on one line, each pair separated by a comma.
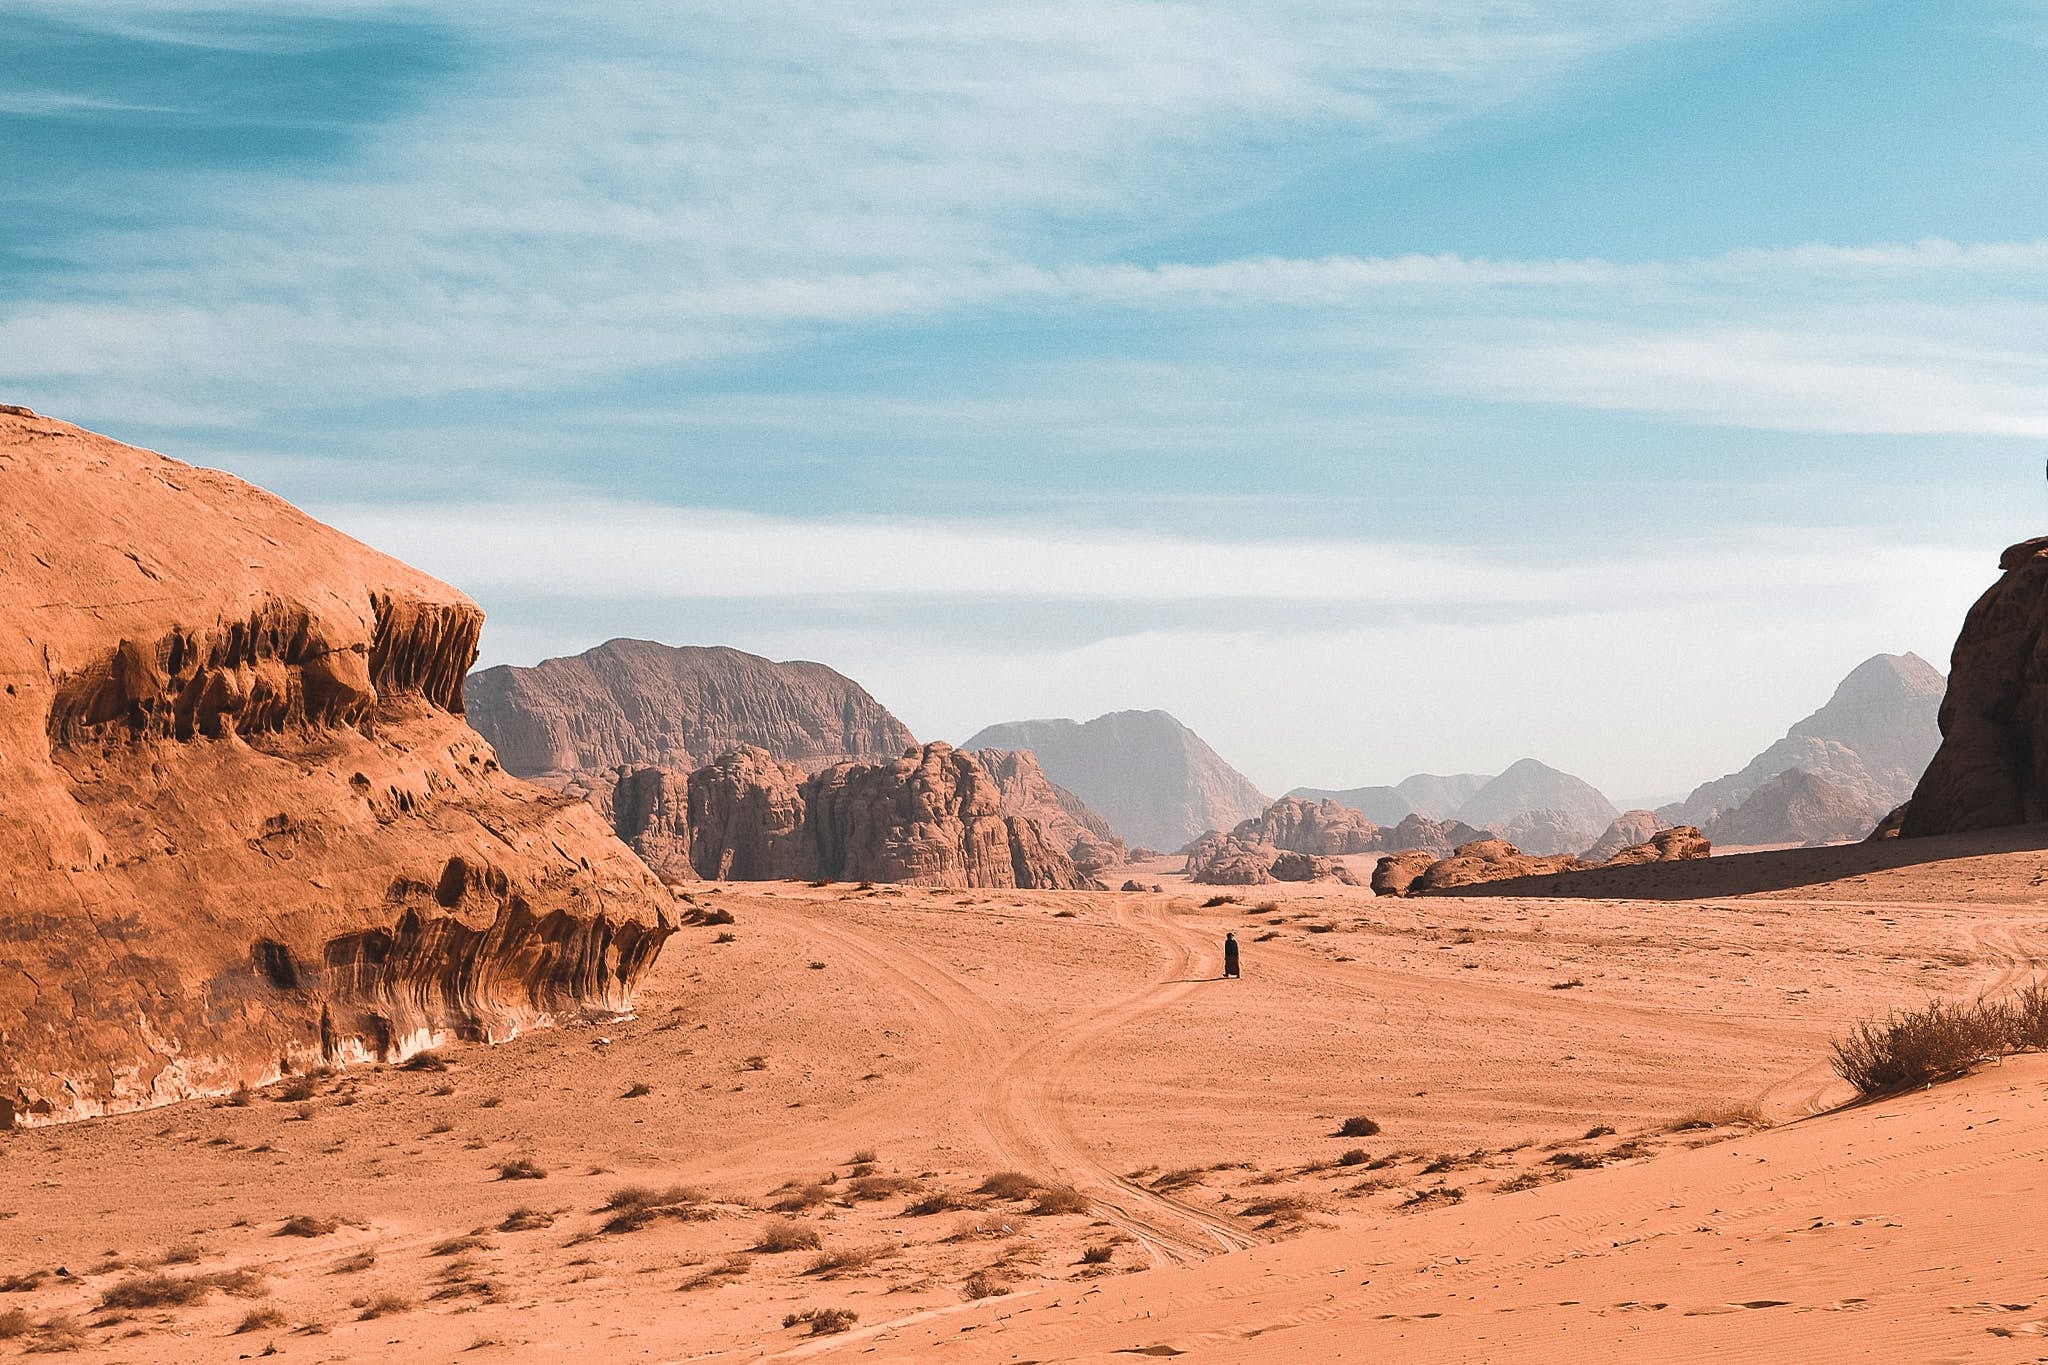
[[639, 704], [1396, 872], [1631, 827], [1868, 746], [243, 825], [1323, 828], [1676, 845], [1133, 885], [1226, 860], [1992, 766], [1889, 827], [1437, 837], [1149, 776], [1490, 860], [1796, 805], [1066, 819]]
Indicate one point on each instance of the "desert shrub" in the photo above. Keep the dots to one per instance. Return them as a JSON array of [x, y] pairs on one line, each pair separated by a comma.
[[1180, 1179], [879, 1186], [1724, 1116], [823, 1321], [864, 1157], [845, 1261], [1936, 1043], [1358, 1126], [1321, 928], [305, 1225], [941, 1201], [1575, 1161], [15, 1323], [637, 1090], [1214, 901], [636, 1206], [424, 1061], [727, 937], [295, 1089], [801, 1198], [1281, 1211], [155, 1291], [1527, 1180], [1098, 1255], [1010, 1185], [1434, 1196], [241, 1097], [523, 1219], [982, 1285], [1059, 1199], [258, 1319], [756, 1063], [24, 1283], [1598, 1130], [1357, 1156], [455, 1246], [57, 1333], [1267, 937], [355, 1264], [384, 1306], [787, 1235], [1570, 985], [521, 1168], [731, 1268]]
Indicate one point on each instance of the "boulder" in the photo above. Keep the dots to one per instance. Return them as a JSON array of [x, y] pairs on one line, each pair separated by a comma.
[[1396, 872], [1321, 827], [1992, 766], [1677, 845], [245, 826]]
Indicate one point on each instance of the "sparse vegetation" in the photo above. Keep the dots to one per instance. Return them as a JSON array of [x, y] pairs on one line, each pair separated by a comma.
[[727, 937], [523, 1219], [942, 1201], [260, 1319], [455, 1246], [1281, 1212], [15, 1323], [787, 1235], [158, 1290], [869, 1187], [354, 1264], [1357, 1156], [385, 1306], [731, 1268], [1572, 984], [305, 1225], [801, 1198], [1010, 1185], [982, 1285], [424, 1061], [1724, 1116], [23, 1283], [824, 1321], [1100, 1254], [1215, 901], [521, 1168], [830, 1265], [295, 1089], [1435, 1196], [1358, 1126], [1575, 1161], [636, 1206], [1054, 1200], [1939, 1042]]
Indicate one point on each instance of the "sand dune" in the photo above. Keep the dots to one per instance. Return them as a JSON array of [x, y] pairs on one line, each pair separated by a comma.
[[1531, 1192]]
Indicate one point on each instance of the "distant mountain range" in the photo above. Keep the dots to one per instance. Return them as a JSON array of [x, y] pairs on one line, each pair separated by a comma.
[[1532, 805], [1863, 752], [1426, 794], [1151, 777]]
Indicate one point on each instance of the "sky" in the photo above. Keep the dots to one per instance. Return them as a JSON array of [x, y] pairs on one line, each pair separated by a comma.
[[1378, 385]]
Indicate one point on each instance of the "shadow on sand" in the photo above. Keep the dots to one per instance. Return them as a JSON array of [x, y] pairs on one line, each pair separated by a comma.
[[1739, 874]]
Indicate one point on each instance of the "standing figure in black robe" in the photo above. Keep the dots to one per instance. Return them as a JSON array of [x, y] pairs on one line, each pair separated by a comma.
[[1230, 954]]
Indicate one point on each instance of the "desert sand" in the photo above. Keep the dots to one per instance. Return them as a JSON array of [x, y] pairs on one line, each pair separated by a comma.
[[1608, 1129]]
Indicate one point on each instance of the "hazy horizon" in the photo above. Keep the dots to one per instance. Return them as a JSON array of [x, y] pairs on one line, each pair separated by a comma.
[[1378, 389]]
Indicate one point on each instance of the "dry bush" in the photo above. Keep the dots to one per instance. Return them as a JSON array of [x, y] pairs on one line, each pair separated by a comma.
[[1570, 985], [1267, 937], [1435, 1196], [1576, 1161], [727, 937], [1281, 1211], [1358, 1126], [983, 1285], [385, 1306], [1054, 1200], [260, 1318], [22, 1284], [1722, 1116], [15, 1323], [523, 1219], [1598, 1130], [867, 1187], [824, 1321], [756, 1063], [942, 1201], [982, 1229], [1180, 1179], [57, 1333], [356, 1264], [864, 1157], [424, 1061], [787, 1235], [155, 1291], [637, 1090], [1214, 901], [1527, 1180], [801, 1198], [1098, 1255], [1357, 1156], [241, 1097], [295, 1089], [1010, 1185], [1936, 1043], [455, 1246], [731, 1268], [305, 1225], [830, 1265], [636, 1206], [521, 1168]]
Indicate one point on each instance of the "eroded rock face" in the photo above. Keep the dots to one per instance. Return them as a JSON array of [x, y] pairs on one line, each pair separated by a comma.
[[636, 703], [1396, 873], [1226, 860], [245, 826], [1679, 844], [648, 809], [1992, 766], [747, 819], [1324, 828], [1490, 860], [1064, 817], [1437, 837], [1630, 828]]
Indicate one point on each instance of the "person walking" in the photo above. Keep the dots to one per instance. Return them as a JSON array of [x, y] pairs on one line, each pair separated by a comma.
[[1230, 955]]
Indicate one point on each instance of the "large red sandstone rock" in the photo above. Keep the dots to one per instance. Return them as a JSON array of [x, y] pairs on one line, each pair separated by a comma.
[[1490, 860], [244, 824], [1680, 844], [1064, 817], [747, 819], [1227, 860], [1992, 766], [1395, 874], [1324, 828], [1630, 828]]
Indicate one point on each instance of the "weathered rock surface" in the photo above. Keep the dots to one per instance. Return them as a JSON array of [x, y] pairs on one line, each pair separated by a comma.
[[636, 703], [1796, 806], [1676, 845], [1149, 776], [1436, 837], [1891, 825], [648, 809], [1490, 860], [244, 824], [1992, 766], [1869, 745], [1396, 873], [1631, 827], [1226, 860], [1066, 819], [1324, 828], [748, 812], [1537, 807]]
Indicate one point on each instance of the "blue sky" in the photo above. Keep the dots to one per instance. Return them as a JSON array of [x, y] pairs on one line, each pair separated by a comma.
[[1377, 385]]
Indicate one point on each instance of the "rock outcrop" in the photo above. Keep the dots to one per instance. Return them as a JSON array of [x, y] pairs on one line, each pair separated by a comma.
[[639, 704], [748, 819], [1226, 860], [1436, 837], [1066, 819], [1395, 874], [1630, 828], [1681, 843], [1324, 828], [1496, 860], [1868, 746], [1992, 766], [1490, 860], [1796, 806], [245, 827], [1151, 777]]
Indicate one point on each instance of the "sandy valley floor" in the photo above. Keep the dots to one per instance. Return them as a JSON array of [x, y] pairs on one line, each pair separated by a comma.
[[1601, 1135]]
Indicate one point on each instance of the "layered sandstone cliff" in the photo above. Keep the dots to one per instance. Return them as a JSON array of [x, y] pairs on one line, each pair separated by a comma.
[[245, 826], [1068, 821], [1992, 766]]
